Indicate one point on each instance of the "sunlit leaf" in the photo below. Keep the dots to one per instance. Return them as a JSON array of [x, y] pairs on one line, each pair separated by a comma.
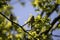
[[58, 1]]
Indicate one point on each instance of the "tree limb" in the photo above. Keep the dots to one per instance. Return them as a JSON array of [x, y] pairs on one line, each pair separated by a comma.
[[42, 13], [56, 35], [56, 6], [54, 21], [16, 24]]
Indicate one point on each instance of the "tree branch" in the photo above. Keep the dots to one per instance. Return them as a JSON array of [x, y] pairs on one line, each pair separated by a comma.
[[54, 27], [58, 24], [56, 6], [54, 21], [56, 35], [16, 24], [42, 13]]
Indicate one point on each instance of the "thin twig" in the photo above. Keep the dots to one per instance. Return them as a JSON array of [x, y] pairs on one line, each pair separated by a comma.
[[56, 35]]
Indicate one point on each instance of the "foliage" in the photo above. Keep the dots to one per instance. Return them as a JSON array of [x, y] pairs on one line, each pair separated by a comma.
[[9, 30], [41, 28]]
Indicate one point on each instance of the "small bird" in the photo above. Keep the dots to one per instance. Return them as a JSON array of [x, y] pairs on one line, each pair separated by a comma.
[[12, 17], [31, 21]]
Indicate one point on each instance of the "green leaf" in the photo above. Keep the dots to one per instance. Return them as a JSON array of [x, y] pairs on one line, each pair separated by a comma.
[[58, 1]]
